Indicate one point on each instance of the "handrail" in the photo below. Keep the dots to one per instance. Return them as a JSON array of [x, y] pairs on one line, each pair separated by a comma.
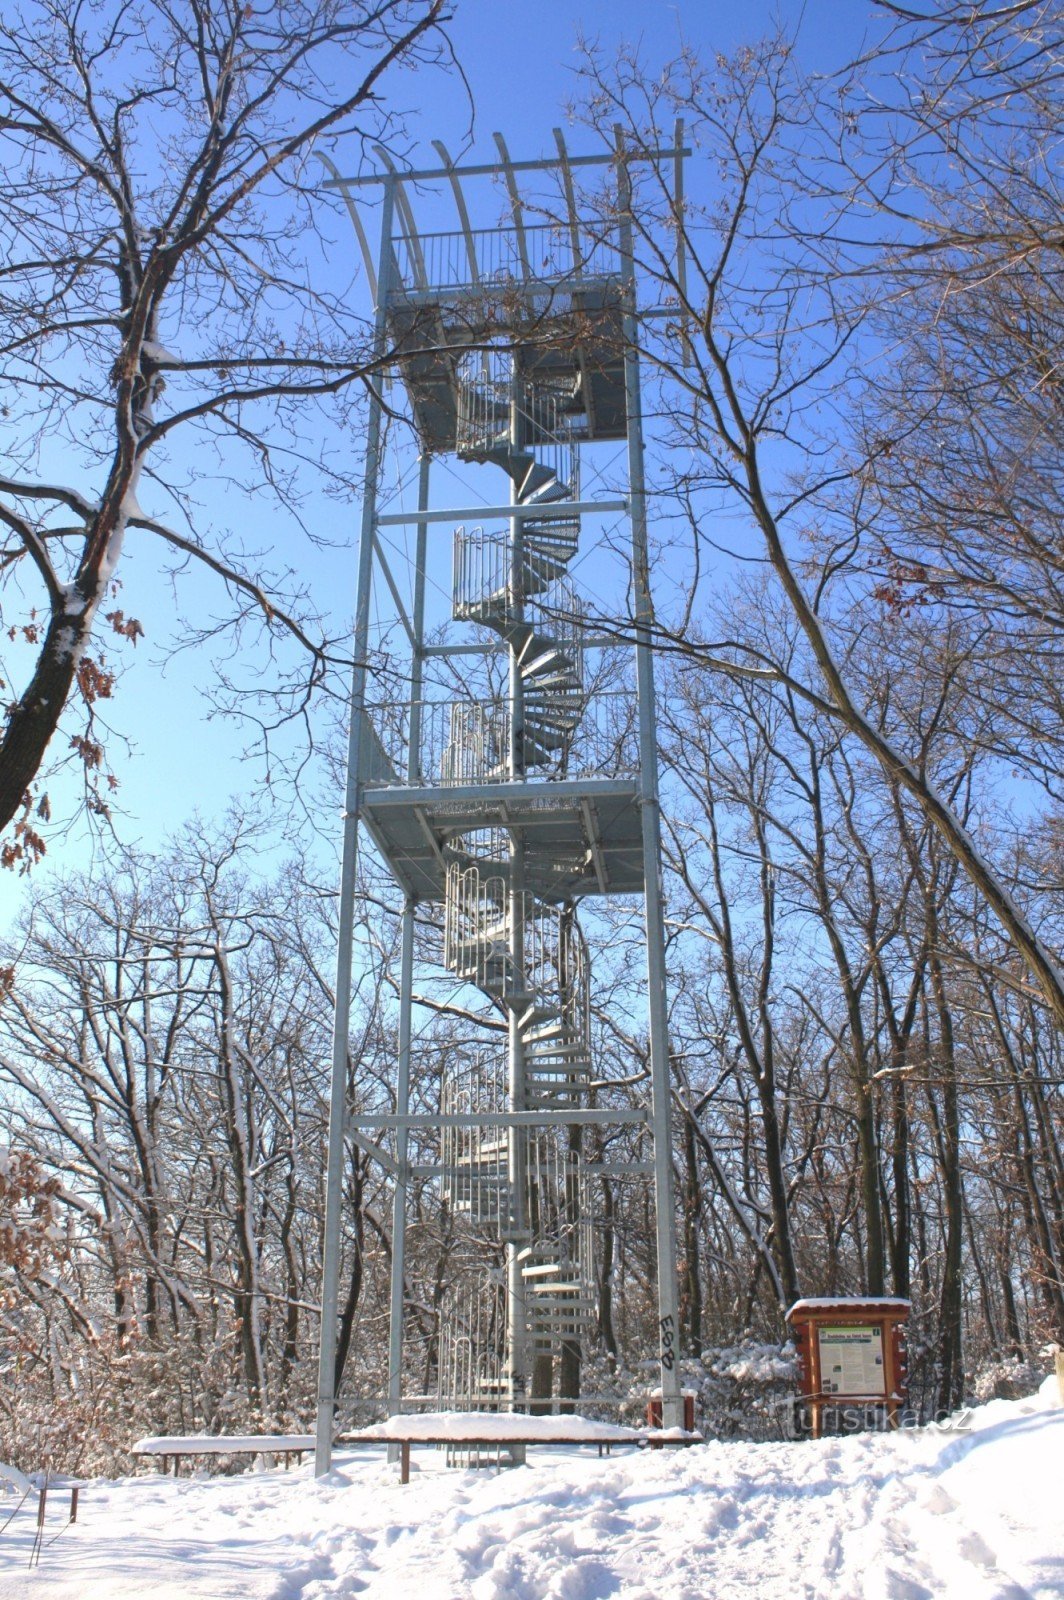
[[604, 744], [481, 257]]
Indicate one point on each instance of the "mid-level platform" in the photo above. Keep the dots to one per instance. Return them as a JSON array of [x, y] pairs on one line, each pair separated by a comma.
[[582, 836]]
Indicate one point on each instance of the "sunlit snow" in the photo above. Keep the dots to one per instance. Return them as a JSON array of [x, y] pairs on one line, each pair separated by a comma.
[[973, 1514]]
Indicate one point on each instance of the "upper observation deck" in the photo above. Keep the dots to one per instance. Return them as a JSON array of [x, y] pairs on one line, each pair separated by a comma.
[[555, 301], [550, 280]]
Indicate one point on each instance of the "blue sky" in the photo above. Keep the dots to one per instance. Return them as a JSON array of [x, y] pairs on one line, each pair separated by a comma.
[[519, 63], [520, 59]]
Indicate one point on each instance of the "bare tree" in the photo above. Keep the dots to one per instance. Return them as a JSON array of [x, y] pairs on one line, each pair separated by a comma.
[[156, 277], [790, 245], [161, 1038]]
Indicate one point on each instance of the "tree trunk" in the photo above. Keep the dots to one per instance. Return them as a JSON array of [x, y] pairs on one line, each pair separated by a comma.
[[951, 1380], [691, 1288], [354, 1287]]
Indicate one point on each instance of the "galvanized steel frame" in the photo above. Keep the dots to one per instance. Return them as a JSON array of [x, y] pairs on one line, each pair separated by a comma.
[[395, 202]]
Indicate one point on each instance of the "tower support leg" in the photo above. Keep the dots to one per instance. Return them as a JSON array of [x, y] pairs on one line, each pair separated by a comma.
[[661, 1120], [330, 1278], [402, 1143]]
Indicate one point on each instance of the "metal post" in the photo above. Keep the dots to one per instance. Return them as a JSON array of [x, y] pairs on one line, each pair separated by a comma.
[[517, 1138], [344, 953], [406, 989], [665, 1220], [402, 1141], [417, 666]]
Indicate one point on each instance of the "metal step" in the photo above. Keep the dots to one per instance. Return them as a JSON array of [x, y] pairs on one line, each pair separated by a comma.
[[550, 1024], [537, 484], [559, 711], [536, 652], [564, 698], [573, 1067], [541, 738], [540, 486]]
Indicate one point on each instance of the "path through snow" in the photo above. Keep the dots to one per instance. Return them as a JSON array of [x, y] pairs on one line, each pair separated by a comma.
[[913, 1516]]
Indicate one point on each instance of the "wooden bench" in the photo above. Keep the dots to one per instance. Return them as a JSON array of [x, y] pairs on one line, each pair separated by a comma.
[[499, 1430], [177, 1446]]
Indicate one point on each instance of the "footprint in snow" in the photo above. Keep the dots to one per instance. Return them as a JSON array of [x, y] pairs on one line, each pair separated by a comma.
[[584, 1580], [976, 1550], [722, 1516], [939, 1501], [899, 1585]]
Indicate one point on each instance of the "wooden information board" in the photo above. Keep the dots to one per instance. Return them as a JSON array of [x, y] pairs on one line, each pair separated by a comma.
[[850, 1352], [851, 1358]]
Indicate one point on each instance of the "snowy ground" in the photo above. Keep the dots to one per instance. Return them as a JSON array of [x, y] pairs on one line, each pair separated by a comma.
[[977, 1515]]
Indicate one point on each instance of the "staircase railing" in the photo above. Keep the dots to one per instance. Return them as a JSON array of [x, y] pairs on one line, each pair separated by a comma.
[[471, 1344], [475, 1158], [465, 741], [476, 743], [487, 398]]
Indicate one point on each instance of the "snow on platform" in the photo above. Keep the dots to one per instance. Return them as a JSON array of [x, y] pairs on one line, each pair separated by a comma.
[[928, 1514], [213, 1444], [459, 1426]]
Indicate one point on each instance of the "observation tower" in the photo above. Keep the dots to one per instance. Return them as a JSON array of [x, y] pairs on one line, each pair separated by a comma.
[[515, 780]]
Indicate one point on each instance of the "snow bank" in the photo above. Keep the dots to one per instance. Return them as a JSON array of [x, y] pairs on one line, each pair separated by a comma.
[[1049, 1392], [969, 1511]]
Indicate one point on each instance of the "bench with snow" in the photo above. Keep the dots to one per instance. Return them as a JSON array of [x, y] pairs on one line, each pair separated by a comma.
[[497, 1430], [176, 1446]]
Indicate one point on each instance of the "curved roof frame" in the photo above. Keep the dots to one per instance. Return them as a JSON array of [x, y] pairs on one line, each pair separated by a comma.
[[406, 218], [563, 162], [356, 221], [515, 202], [463, 211], [570, 201], [678, 207]]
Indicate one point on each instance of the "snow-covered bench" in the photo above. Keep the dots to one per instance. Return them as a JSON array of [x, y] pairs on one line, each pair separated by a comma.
[[175, 1446], [497, 1430]]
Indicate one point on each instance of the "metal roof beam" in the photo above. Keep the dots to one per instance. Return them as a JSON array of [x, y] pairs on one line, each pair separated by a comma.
[[570, 201], [587, 1115], [515, 202], [406, 216], [548, 510], [590, 641], [463, 212], [517, 792], [336, 182], [681, 239], [489, 169]]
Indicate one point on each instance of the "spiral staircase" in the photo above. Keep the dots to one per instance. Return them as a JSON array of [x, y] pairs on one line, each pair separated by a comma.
[[525, 952]]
